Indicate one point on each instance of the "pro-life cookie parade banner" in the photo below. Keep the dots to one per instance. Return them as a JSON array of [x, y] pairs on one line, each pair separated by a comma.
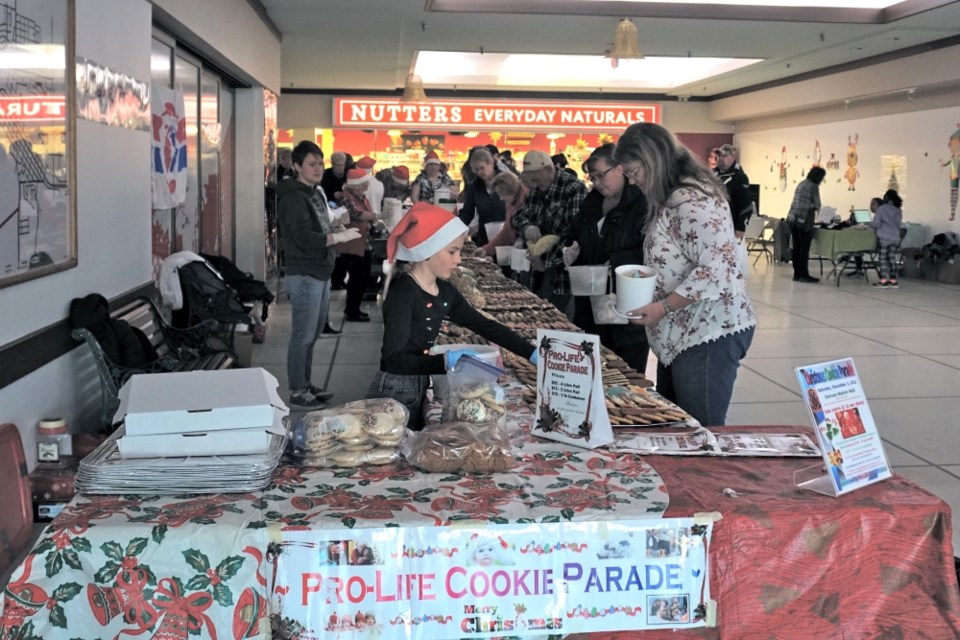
[[520, 580]]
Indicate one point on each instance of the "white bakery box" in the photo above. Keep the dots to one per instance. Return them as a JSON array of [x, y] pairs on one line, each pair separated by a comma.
[[200, 413]]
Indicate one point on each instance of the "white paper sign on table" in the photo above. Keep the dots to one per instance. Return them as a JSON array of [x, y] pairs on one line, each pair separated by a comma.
[[570, 402]]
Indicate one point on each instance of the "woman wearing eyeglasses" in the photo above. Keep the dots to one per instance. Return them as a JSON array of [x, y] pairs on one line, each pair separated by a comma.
[[609, 229], [701, 322]]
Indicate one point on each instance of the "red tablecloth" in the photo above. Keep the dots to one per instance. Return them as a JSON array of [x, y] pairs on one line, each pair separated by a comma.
[[792, 564]]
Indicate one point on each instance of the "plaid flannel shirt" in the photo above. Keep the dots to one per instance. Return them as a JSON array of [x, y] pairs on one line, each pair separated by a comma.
[[551, 210]]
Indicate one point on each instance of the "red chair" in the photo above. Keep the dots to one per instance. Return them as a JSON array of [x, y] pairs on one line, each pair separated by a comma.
[[16, 525]]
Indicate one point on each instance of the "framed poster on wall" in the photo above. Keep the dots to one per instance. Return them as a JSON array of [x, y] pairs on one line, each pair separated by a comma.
[[37, 151]]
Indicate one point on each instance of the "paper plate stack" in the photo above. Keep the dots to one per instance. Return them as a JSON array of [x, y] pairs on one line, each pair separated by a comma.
[[104, 471]]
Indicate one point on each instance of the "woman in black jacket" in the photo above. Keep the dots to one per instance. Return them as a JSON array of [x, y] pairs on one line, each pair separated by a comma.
[[609, 229]]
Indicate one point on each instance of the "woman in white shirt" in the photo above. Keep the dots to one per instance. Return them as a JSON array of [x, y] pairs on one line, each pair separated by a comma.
[[701, 322]]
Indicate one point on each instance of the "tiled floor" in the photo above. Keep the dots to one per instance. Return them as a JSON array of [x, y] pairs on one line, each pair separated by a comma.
[[906, 344]]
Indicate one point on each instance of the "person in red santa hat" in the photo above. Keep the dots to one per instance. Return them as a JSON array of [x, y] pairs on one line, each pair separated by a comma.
[[432, 177], [375, 190], [357, 255], [423, 251]]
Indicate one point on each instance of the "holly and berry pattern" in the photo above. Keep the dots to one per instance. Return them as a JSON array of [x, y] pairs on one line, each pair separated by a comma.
[[177, 567]]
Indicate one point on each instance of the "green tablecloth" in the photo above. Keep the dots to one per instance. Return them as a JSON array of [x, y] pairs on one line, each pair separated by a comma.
[[832, 243]]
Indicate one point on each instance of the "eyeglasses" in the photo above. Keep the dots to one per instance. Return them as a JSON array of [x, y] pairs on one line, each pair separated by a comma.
[[632, 173], [595, 177]]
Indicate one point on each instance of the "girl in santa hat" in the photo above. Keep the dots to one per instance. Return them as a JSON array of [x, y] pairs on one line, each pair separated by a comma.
[[423, 251]]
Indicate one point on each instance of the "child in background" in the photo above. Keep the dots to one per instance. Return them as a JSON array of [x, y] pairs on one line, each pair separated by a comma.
[[423, 251], [887, 221]]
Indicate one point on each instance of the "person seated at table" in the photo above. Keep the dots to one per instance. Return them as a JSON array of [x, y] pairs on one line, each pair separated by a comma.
[[887, 222], [701, 322], [608, 229], [852, 221], [801, 218], [423, 251]]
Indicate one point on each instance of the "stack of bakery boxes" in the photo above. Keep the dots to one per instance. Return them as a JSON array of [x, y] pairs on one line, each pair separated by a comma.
[[191, 432]]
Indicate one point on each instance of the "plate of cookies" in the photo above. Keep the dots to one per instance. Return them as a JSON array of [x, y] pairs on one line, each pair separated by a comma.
[[350, 435]]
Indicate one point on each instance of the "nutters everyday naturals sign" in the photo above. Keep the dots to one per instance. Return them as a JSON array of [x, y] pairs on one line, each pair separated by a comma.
[[490, 115]]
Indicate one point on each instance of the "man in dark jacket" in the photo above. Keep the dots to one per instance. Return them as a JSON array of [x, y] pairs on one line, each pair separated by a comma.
[[738, 187], [308, 238]]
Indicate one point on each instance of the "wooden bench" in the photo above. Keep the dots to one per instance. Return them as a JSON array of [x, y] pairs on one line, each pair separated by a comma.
[[199, 347]]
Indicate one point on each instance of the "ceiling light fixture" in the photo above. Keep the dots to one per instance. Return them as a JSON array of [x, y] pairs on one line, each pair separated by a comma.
[[413, 90], [625, 41]]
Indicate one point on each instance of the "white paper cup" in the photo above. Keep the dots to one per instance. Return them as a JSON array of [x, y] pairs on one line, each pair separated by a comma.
[[503, 255], [634, 292]]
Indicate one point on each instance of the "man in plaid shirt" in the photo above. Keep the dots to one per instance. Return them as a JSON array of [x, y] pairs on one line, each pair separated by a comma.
[[554, 198]]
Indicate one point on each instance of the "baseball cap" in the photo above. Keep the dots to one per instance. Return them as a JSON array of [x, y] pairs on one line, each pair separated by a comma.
[[536, 160]]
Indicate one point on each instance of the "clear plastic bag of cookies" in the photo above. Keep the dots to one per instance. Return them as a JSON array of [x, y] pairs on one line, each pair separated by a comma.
[[474, 395], [461, 447], [350, 435]]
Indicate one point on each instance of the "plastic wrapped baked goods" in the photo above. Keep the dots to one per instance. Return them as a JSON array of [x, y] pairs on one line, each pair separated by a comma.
[[353, 434], [474, 395], [461, 447]]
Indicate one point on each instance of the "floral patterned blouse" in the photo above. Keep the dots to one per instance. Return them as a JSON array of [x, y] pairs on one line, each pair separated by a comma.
[[694, 250]]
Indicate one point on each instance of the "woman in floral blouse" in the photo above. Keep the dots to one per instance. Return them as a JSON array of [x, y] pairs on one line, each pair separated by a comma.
[[432, 177], [701, 322]]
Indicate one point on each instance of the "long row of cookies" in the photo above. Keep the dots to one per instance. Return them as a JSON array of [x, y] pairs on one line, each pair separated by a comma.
[[513, 305]]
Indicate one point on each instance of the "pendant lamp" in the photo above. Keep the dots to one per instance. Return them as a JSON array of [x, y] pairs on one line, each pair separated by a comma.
[[413, 90], [625, 41]]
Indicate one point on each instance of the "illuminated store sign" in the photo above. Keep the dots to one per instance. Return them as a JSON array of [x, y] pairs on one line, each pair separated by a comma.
[[32, 108], [490, 115]]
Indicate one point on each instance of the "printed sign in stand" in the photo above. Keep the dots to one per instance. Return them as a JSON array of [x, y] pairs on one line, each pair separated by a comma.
[[851, 446], [570, 402]]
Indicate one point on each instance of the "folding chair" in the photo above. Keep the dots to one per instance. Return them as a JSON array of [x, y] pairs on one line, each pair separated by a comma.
[[759, 236]]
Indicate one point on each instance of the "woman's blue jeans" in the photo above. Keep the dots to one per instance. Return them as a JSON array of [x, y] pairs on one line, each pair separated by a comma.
[[310, 301], [701, 378]]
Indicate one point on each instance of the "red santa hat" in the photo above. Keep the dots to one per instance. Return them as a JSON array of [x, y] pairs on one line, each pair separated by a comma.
[[401, 175], [431, 157], [422, 232], [366, 162], [356, 177]]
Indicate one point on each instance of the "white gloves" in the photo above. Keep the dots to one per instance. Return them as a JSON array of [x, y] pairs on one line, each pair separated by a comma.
[[345, 236], [532, 233], [337, 213], [571, 253]]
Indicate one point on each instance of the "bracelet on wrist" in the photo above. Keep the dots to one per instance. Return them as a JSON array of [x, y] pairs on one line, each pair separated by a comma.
[[666, 306]]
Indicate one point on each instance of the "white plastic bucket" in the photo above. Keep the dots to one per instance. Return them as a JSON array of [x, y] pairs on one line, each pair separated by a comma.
[[519, 260], [636, 284], [503, 255], [485, 353], [588, 280], [492, 229]]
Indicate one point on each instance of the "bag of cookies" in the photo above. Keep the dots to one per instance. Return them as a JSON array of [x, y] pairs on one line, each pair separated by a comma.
[[460, 447], [474, 395], [350, 435]]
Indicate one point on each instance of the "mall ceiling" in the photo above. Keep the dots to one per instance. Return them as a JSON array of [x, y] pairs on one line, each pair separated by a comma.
[[371, 45]]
